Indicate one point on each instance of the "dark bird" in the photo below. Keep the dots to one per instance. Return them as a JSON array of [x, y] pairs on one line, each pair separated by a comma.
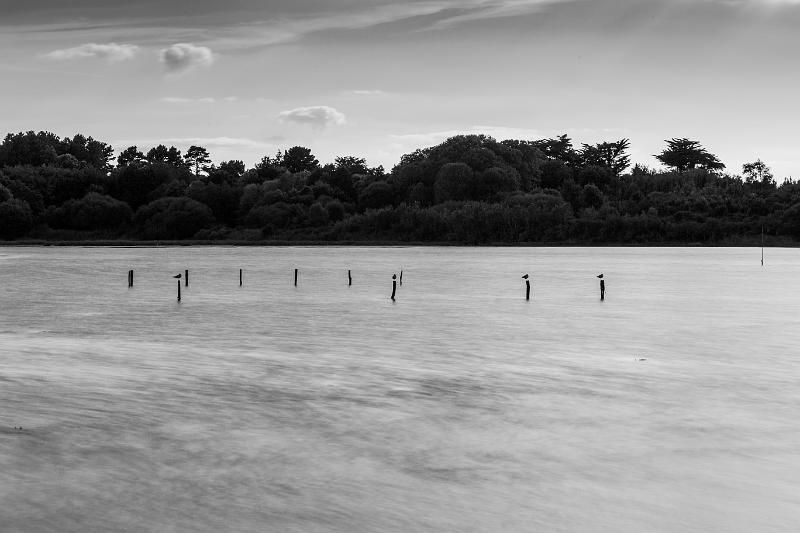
[[525, 276], [600, 276], [178, 276]]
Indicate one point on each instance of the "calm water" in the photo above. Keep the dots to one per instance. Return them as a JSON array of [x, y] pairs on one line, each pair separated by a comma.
[[460, 407]]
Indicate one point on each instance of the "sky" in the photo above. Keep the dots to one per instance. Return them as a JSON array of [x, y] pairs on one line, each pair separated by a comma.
[[380, 78]]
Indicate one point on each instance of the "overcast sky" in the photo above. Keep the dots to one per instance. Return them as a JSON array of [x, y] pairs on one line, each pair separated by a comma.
[[379, 78]]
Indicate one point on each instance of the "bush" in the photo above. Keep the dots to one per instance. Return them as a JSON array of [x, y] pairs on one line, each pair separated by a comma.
[[92, 212], [375, 195], [16, 219], [173, 218]]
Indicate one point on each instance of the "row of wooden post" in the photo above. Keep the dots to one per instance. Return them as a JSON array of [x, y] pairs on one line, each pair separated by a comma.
[[528, 287], [350, 282]]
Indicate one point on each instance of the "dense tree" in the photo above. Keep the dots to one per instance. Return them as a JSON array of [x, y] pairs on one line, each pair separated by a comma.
[[684, 154], [611, 155], [87, 150], [554, 173], [172, 218], [16, 218], [43, 148], [758, 172], [171, 156], [29, 148], [198, 159], [454, 181], [467, 189], [298, 159], [233, 167], [92, 212], [558, 148], [375, 195], [129, 156]]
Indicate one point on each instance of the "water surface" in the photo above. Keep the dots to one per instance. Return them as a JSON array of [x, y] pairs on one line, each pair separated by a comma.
[[669, 407]]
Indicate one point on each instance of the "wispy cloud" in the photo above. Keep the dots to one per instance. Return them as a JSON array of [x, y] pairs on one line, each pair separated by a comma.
[[368, 92], [181, 100], [208, 142], [316, 116], [111, 52], [183, 57], [436, 137]]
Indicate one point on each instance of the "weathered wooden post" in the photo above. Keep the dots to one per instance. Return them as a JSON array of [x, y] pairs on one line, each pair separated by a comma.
[[527, 287], [295, 277], [394, 285], [186, 279], [131, 278], [349, 278], [602, 287], [178, 277], [240, 277], [401, 277]]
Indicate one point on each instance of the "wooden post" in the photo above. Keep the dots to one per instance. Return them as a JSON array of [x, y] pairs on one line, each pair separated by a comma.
[[131, 278], [240, 277], [179, 290], [401, 278], [394, 285], [527, 287], [186, 279], [295, 277], [602, 287], [349, 278]]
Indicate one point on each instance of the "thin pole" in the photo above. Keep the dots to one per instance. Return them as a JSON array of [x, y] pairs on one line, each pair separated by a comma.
[[295, 277], [186, 279], [179, 290], [401, 277], [349, 278], [240, 277], [394, 285]]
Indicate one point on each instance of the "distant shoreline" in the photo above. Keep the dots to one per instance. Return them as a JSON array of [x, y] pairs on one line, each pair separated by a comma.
[[770, 243]]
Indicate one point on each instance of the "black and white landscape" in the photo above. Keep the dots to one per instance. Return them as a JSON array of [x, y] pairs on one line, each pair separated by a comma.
[[373, 266]]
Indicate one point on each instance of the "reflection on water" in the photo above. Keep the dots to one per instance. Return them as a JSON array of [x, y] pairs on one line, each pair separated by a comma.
[[670, 406]]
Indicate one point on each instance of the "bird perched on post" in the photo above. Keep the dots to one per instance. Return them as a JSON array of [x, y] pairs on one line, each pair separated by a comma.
[[525, 276], [600, 276], [178, 276]]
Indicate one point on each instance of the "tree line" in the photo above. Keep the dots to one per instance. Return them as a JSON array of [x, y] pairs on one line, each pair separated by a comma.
[[470, 189]]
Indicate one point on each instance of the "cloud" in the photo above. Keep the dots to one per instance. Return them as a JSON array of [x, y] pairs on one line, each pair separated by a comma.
[[182, 57], [208, 142], [111, 52], [436, 137], [180, 100], [316, 116], [368, 92]]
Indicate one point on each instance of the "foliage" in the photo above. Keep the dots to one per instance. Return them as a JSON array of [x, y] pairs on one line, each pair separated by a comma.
[[467, 189], [299, 159], [92, 212], [684, 154], [198, 159], [16, 219], [172, 218]]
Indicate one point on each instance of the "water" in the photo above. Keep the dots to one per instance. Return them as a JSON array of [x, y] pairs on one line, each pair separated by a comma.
[[460, 407]]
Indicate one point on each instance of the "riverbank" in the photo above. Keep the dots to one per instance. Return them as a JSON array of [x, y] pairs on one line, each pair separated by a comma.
[[744, 242]]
